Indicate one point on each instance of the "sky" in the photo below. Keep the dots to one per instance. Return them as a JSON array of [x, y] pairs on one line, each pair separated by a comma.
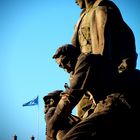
[[30, 33]]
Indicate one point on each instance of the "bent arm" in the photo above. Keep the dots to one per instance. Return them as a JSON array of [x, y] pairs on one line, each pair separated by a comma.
[[98, 24]]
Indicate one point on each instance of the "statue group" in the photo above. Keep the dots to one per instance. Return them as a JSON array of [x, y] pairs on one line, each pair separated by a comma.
[[104, 82]]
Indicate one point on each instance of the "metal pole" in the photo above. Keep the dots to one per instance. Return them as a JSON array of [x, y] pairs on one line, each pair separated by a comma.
[[38, 122], [14, 137]]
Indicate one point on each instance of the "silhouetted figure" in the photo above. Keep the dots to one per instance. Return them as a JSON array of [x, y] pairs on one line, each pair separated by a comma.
[[105, 45], [59, 119], [104, 66]]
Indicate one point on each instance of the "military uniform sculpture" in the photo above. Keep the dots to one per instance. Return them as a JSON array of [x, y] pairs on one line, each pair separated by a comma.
[[101, 60]]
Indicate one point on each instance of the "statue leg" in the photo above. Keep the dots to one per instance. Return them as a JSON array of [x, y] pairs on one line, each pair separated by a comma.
[[110, 120]]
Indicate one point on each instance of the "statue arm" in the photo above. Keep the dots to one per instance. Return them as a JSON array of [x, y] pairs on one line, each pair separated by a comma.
[[98, 24], [55, 116], [67, 103]]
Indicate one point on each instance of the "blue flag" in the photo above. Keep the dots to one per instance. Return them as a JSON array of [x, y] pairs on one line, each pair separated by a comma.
[[32, 102]]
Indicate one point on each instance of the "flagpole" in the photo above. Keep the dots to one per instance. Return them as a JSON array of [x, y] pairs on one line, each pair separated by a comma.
[[38, 121], [32, 103]]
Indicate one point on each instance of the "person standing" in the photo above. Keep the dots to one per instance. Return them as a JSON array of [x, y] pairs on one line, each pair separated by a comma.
[[107, 53]]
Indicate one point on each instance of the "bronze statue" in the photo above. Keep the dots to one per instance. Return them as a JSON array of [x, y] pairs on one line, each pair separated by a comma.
[[106, 44], [66, 59], [104, 59], [58, 118]]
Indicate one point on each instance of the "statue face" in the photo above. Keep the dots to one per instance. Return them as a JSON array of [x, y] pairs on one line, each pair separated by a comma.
[[48, 104], [80, 3]]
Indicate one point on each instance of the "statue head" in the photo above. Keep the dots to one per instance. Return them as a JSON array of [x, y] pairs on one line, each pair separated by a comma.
[[66, 57], [52, 99]]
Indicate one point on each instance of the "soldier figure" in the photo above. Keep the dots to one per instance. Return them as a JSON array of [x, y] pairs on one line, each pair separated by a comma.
[[106, 53], [59, 119]]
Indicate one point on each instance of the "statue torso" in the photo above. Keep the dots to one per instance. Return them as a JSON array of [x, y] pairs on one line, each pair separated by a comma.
[[84, 32]]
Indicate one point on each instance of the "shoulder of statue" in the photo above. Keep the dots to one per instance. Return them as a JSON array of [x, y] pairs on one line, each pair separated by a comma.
[[98, 4], [107, 3]]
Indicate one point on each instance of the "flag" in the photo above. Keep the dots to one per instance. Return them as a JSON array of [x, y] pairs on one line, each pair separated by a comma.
[[32, 102]]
